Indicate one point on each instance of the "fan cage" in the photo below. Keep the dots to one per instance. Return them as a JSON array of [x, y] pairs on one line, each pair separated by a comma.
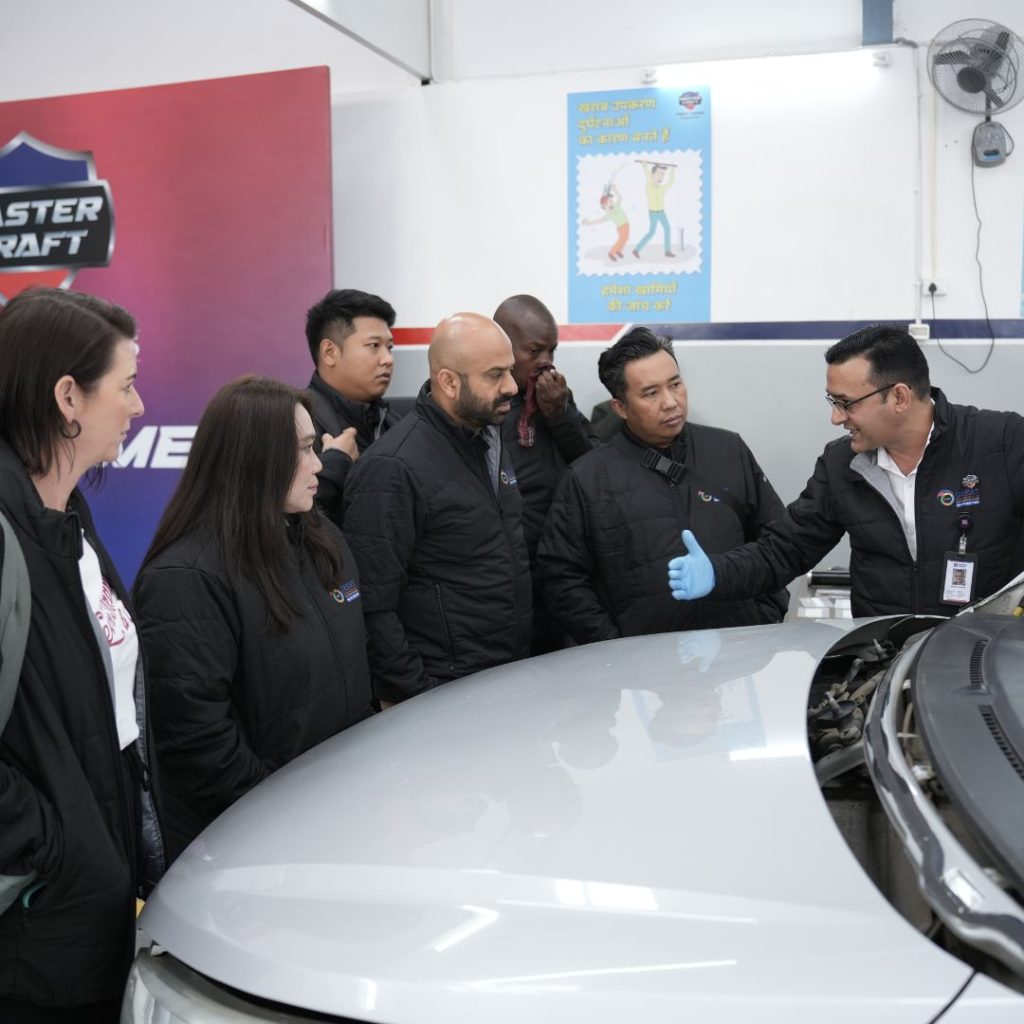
[[975, 65]]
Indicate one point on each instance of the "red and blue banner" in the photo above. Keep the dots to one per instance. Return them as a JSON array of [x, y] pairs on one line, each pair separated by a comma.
[[203, 208]]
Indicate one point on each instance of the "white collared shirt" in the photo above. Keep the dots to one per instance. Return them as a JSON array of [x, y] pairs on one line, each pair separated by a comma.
[[904, 486]]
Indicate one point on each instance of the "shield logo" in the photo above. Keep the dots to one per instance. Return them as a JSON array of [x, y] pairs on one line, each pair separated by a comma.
[[56, 215]]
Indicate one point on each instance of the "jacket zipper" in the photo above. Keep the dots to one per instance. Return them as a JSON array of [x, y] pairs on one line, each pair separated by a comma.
[[338, 666]]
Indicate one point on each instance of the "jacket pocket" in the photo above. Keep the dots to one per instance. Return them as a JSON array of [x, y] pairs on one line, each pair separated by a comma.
[[446, 632]]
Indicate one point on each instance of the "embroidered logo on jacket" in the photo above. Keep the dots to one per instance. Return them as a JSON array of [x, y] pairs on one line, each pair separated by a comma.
[[346, 592]]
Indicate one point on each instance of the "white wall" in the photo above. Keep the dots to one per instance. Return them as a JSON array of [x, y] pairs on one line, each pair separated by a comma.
[[486, 38], [813, 188]]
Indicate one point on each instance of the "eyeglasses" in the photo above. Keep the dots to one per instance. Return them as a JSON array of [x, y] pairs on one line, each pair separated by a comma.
[[844, 405]]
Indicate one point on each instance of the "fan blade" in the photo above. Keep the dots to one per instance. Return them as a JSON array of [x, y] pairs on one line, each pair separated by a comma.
[[1002, 40], [951, 57], [994, 99]]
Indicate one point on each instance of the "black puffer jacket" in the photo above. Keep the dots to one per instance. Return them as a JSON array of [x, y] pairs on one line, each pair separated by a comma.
[[446, 575], [556, 443], [850, 494], [615, 523], [333, 413], [67, 810], [233, 698]]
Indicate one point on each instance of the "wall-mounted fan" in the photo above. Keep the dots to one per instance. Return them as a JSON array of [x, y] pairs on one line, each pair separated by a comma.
[[976, 66]]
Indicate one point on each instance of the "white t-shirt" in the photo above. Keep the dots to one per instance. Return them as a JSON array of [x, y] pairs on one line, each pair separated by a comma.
[[122, 640]]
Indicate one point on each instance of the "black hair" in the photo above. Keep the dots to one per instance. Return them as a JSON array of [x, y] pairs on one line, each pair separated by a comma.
[[235, 484], [46, 334], [895, 357], [520, 315], [639, 343], [334, 315]]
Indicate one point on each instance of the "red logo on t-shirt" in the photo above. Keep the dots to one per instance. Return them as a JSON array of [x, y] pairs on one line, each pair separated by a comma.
[[113, 619]]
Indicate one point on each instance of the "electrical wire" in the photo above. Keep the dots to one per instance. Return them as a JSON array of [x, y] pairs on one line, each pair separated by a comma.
[[981, 285]]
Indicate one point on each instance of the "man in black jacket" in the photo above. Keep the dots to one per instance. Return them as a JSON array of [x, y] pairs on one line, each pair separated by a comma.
[[433, 515], [618, 512], [349, 337], [930, 493], [543, 434]]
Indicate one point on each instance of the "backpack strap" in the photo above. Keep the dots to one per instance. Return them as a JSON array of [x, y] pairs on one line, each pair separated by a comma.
[[15, 612]]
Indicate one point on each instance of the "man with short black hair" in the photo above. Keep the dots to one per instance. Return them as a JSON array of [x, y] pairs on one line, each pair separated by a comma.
[[432, 513], [349, 337], [619, 509], [930, 493], [544, 432]]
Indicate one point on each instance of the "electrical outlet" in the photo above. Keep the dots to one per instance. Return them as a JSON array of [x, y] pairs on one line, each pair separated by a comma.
[[919, 331], [940, 286]]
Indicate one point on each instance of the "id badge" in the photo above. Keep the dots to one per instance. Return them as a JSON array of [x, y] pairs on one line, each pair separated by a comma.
[[958, 578]]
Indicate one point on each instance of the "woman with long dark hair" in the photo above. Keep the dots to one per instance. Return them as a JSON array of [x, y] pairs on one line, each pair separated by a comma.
[[75, 790], [249, 604]]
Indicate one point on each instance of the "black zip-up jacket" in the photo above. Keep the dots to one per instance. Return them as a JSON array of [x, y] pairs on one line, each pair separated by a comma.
[[446, 576], [67, 809], [557, 443], [333, 413], [974, 465], [234, 698], [615, 523]]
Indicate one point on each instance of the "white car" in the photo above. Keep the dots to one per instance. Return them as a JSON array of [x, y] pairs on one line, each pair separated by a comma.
[[681, 827]]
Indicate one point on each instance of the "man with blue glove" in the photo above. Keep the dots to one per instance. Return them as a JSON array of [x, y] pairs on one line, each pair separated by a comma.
[[618, 510], [930, 493]]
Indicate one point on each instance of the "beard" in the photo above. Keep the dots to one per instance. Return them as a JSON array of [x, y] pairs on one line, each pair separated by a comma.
[[478, 412]]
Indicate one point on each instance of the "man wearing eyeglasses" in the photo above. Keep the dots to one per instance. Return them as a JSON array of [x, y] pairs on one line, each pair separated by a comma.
[[930, 493]]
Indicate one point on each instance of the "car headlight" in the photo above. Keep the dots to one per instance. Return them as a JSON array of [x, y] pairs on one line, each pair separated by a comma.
[[162, 990]]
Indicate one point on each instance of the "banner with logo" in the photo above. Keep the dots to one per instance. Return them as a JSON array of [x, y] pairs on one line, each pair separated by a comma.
[[639, 206], [205, 210]]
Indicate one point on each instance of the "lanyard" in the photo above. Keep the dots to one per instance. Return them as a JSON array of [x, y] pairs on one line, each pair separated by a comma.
[[964, 522]]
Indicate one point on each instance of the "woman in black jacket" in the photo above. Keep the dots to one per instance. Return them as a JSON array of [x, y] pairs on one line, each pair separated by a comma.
[[249, 604], [75, 795]]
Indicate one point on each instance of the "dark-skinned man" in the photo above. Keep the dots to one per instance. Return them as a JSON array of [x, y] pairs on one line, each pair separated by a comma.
[[544, 433]]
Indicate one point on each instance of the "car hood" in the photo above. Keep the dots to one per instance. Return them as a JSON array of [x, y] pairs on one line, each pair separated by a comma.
[[630, 828]]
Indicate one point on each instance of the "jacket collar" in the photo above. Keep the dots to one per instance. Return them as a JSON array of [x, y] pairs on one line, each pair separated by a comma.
[[626, 441], [366, 415], [863, 464], [429, 410], [58, 532]]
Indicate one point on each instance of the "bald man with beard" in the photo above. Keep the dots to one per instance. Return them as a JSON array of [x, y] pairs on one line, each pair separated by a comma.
[[434, 517]]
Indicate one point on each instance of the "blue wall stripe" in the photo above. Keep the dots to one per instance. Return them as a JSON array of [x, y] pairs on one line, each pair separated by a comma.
[[828, 330], [876, 23]]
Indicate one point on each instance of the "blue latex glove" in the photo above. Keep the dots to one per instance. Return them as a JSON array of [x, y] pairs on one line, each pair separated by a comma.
[[691, 576]]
